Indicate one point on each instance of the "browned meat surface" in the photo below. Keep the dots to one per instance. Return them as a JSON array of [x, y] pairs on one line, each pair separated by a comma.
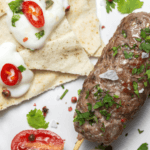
[[123, 87]]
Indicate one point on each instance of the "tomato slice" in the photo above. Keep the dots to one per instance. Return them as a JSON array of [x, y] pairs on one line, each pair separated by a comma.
[[33, 13], [44, 140], [10, 75]]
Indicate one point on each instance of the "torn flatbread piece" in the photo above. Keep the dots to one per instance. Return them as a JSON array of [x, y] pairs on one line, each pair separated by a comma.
[[85, 24], [43, 81], [62, 52]]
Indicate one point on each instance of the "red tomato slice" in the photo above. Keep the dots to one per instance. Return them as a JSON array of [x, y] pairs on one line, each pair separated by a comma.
[[10, 75], [33, 13], [44, 140]]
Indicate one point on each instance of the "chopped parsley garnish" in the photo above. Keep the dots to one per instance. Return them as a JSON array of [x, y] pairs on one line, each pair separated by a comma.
[[89, 116], [98, 93], [15, 7], [40, 34], [139, 79], [140, 131], [79, 91], [110, 5], [145, 47], [148, 74], [135, 87], [138, 39], [143, 147], [115, 50], [124, 33], [133, 47], [128, 56], [124, 126], [49, 3], [128, 6], [106, 114], [116, 96], [87, 94], [102, 147], [21, 68], [36, 119], [136, 56], [145, 84], [14, 19], [62, 86], [134, 71], [140, 70], [103, 127], [147, 39], [66, 91]]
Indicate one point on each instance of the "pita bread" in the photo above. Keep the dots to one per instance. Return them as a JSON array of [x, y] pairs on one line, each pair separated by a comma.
[[43, 81], [62, 52], [85, 24]]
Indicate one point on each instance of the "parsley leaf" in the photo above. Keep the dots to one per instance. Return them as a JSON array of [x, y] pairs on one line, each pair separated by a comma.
[[79, 91], [105, 113], [128, 6], [140, 70], [134, 71], [116, 96], [98, 105], [115, 49], [15, 6], [147, 39], [110, 5], [143, 147], [136, 56], [103, 127], [145, 84], [40, 34], [128, 56], [49, 3], [148, 74], [36, 119], [135, 87], [102, 147], [124, 33], [140, 131], [138, 39], [14, 19], [87, 94], [145, 47], [21, 68]]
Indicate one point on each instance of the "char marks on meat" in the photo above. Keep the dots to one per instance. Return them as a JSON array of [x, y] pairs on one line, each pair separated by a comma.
[[123, 87]]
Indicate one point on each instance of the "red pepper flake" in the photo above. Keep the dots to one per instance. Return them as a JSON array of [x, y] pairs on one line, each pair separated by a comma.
[[69, 108], [25, 39], [103, 27], [123, 120], [34, 104], [68, 8], [74, 99], [45, 111]]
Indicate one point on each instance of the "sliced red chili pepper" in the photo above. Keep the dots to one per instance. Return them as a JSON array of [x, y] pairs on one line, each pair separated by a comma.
[[123, 120], [103, 27], [25, 39], [68, 8], [33, 13], [69, 108], [10, 75], [74, 99]]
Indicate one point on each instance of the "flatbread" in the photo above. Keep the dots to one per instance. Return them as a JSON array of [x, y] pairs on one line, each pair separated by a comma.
[[85, 24], [62, 52], [3, 6], [43, 81]]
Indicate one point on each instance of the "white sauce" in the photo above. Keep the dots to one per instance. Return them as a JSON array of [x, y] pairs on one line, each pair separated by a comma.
[[145, 55], [10, 55], [110, 74], [24, 28], [64, 3]]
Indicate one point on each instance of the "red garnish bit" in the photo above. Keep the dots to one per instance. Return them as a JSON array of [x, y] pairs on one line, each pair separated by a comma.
[[69, 108], [34, 104], [68, 8], [123, 120], [6, 93], [33, 13], [25, 39], [110, 1], [74, 99], [10, 74], [45, 111], [103, 27]]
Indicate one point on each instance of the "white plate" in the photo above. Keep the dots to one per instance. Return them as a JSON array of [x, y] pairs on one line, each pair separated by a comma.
[[13, 120]]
